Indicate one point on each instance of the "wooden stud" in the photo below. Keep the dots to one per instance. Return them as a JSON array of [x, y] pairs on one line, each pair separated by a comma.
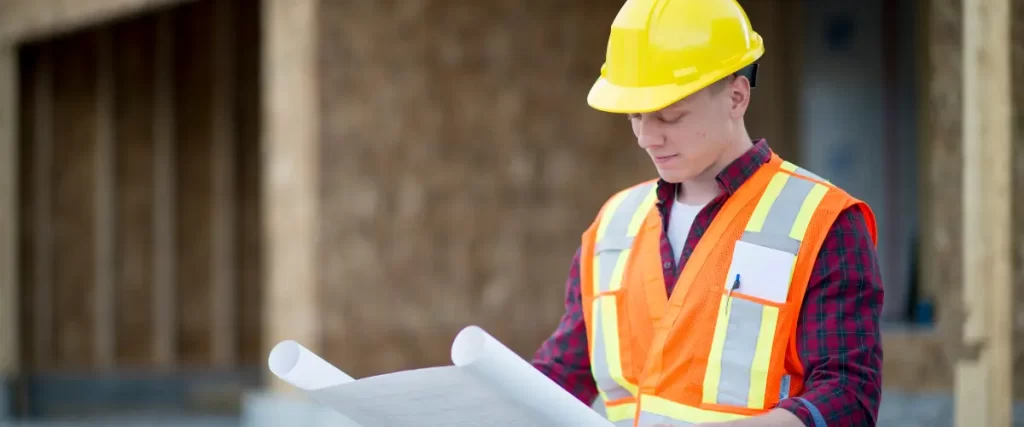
[[984, 373], [222, 286], [43, 124], [104, 296], [164, 280], [290, 186], [9, 292]]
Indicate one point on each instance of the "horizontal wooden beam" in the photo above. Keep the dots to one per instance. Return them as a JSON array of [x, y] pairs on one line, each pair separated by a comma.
[[25, 20]]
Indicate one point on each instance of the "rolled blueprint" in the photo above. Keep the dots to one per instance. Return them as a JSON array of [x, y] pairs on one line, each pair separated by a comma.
[[488, 385], [302, 368], [485, 357]]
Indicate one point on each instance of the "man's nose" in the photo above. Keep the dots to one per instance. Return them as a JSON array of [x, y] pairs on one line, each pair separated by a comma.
[[648, 135]]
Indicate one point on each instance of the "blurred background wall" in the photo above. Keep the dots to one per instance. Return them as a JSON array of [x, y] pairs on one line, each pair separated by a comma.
[[189, 182]]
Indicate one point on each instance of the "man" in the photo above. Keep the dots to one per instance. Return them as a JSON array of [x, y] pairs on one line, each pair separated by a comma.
[[738, 289]]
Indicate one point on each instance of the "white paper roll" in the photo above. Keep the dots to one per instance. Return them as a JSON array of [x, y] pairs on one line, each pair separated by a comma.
[[302, 368]]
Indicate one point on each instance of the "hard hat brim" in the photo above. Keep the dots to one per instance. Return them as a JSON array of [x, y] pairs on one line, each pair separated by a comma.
[[606, 96]]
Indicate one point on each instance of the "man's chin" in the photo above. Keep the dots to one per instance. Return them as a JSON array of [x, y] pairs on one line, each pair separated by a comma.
[[673, 177]]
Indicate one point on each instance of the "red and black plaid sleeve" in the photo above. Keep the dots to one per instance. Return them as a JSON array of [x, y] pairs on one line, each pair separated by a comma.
[[564, 357], [839, 340]]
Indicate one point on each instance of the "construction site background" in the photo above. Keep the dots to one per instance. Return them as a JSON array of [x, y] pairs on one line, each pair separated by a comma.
[[185, 183]]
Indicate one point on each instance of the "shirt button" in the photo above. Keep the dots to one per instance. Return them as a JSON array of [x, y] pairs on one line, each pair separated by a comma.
[[668, 265]]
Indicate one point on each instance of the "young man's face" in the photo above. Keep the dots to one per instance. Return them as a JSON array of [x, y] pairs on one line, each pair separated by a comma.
[[688, 137]]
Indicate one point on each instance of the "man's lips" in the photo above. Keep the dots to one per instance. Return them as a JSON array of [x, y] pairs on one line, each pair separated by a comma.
[[664, 159]]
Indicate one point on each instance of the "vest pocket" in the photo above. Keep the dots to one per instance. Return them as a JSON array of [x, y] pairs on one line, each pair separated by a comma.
[[740, 364]]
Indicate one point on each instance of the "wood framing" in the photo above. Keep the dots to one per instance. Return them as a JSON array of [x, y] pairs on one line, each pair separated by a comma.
[[9, 349], [984, 370], [291, 147]]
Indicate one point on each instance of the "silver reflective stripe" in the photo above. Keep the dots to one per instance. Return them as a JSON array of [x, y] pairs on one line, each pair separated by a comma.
[[784, 387], [772, 240], [738, 352], [648, 419], [790, 166], [782, 215], [623, 423], [606, 266], [616, 236], [599, 360], [801, 171]]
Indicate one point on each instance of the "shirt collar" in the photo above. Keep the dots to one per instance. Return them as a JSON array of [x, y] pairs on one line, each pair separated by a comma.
[[732, 177]]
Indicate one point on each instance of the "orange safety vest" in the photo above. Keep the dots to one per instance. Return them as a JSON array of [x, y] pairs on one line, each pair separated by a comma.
[[723, 346]]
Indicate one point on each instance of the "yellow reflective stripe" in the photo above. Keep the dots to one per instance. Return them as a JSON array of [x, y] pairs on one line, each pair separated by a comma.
[[803, 219], [610, 325], [609, 211], [598, 349], [605, 361], [641, 213], [762, 357], [788, 166], [620, 266], [714, 369], [767, 199], [620, 412], [637, 219], [688, 414]]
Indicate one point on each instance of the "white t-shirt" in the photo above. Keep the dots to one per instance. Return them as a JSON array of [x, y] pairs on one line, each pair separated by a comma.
[[679, 223]]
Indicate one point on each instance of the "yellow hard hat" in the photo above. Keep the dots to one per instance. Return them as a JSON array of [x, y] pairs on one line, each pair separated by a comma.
[[661, 51]]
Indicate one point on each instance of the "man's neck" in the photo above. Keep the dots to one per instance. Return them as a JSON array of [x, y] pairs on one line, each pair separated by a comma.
[[704, 188]]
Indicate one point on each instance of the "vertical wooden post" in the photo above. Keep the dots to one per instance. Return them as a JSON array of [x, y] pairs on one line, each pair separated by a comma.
[[42, 183], [290, 184], [9, 350], [104, 296], [164, 241], [984, 374], [223, 295]]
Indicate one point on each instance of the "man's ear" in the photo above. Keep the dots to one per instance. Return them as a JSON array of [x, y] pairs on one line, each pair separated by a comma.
[[739, 95]]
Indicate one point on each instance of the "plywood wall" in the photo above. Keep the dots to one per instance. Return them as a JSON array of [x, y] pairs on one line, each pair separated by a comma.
[[140, 214]]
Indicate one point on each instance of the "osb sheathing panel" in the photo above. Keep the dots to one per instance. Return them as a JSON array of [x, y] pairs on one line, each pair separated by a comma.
[[941, 198], [460, 164]]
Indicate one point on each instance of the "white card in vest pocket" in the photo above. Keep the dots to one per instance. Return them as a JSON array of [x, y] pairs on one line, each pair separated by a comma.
[[764, 272]]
